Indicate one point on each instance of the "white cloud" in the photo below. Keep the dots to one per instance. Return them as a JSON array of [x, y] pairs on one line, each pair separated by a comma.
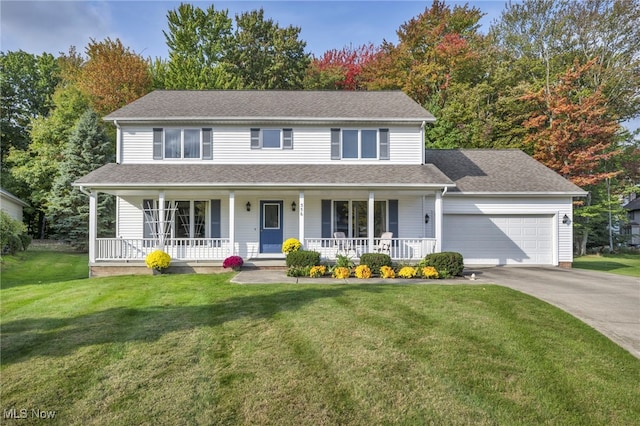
[[52, 26]]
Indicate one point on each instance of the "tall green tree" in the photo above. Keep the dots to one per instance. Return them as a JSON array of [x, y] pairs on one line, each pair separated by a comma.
[[36, 167], [87, 149], [265, 56], [198, 42], [27, 83]]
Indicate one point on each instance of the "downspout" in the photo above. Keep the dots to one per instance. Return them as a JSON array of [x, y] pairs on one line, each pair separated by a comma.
[[424, 148], [118, 140], [84, 191]]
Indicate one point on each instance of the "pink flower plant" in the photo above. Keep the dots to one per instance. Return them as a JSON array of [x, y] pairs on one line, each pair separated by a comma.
[[233, 262]]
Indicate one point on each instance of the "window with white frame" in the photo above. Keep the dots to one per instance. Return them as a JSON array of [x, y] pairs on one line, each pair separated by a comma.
[[271, 138], [364, 144], [178, 143]]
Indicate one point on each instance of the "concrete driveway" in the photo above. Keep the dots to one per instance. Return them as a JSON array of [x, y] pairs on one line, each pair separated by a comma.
[[607, 302]]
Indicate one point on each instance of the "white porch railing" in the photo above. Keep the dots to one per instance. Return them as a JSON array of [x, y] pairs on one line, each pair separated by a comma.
[[203, 249], [399, 249], [177, 248]]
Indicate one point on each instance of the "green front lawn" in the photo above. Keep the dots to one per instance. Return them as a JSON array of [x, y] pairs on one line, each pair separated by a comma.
[[622, 264], [196, 349], [41, 267]]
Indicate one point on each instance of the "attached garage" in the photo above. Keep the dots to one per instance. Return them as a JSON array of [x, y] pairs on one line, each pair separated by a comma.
[[501, 239]]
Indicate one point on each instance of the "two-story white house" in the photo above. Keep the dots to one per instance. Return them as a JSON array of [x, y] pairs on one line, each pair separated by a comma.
[[208, 174]]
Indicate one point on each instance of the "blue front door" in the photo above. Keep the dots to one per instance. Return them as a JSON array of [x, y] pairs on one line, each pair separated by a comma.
[[270, 226]]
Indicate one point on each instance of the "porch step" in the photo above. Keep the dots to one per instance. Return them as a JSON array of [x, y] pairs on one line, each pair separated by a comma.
[[268, 264]]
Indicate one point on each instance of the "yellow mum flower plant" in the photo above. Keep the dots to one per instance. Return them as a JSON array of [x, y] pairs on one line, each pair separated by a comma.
[[290, 245], [317, 271], [341, 273], [387, 272], [430, 272], [407, 272], [157, 260], [363, 272]]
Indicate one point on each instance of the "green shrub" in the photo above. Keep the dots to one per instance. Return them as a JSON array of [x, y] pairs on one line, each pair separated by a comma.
[[13, 234], [303, 258], [375, 261], [448, 263]]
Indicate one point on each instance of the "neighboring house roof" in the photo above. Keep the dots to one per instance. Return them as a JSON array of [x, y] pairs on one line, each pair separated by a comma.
[[11, 197], [489, 171], [265, 175], [273, 105], [633, 205]]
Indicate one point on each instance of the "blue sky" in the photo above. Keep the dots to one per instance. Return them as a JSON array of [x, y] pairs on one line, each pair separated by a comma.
[[53, 26], [37, 26]]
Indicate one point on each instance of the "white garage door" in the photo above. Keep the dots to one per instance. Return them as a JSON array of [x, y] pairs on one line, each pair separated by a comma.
[[500, 239]]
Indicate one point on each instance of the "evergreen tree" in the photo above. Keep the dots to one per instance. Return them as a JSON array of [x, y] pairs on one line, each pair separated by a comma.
[[87, 149]]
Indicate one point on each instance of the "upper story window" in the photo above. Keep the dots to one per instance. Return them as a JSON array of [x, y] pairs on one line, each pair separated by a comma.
[[272, 138], [360, 144], [176, 143]]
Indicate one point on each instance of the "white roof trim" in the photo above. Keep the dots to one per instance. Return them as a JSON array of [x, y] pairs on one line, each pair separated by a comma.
[[267, 118], [518, 193], [13, 198]]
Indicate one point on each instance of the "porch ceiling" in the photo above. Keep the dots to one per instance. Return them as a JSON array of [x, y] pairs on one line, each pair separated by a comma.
[[130, 176]]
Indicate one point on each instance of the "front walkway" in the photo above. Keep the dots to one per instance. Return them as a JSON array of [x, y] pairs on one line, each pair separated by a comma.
[[609, 303]]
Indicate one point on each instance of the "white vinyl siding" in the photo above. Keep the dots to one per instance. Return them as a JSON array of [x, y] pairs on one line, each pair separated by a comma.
[[130, 217], [231, 146], [12, 208]]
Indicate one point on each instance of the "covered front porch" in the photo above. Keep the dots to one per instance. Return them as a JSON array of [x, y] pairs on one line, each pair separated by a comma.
[[208, 226]]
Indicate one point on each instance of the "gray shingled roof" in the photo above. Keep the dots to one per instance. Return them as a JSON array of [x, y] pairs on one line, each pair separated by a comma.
[[264, 175], [251, 105], [499, 171], [633, 204]]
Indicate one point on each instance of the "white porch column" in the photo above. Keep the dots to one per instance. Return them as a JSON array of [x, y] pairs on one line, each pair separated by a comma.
[[438, 219], [232, 223], [370, 219], [301, 217], [93, 225], [162, 219]]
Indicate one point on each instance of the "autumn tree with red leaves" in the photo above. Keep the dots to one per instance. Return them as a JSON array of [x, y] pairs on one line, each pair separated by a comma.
[[572, 131], [574, 134], [340, 69], [435, 48]]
